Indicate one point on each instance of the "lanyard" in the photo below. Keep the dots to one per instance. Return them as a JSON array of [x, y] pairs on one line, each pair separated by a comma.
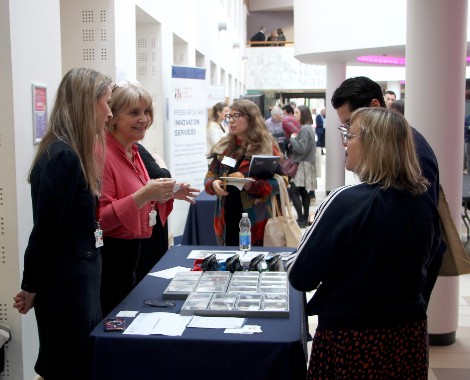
[[137, 171], [139, 174]]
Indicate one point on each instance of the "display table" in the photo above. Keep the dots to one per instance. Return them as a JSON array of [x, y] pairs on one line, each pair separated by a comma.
[[199, 228], [279, 352]]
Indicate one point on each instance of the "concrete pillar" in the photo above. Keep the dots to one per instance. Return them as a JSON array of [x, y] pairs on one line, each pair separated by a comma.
[[334, 164], [433, 23]]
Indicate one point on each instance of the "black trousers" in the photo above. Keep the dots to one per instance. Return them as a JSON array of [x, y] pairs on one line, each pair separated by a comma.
[[301, 201], [120, 258]]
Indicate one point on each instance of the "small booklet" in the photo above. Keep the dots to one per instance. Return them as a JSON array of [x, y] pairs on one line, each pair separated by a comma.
[[263, 167]]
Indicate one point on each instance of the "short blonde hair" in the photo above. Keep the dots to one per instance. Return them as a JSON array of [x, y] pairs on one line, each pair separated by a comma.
[[127, 95], [388, 151]]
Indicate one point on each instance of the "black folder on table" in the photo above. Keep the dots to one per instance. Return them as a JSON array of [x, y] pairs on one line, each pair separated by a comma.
[[263, 167]]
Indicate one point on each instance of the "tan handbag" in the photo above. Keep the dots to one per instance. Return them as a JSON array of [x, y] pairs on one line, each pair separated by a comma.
[[455, 261], [281, 230]]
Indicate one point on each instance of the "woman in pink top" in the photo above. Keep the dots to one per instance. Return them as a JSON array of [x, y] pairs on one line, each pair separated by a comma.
[[131, 202]]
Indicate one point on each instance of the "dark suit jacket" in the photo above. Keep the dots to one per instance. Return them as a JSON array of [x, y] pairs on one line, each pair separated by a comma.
[[258, 36]]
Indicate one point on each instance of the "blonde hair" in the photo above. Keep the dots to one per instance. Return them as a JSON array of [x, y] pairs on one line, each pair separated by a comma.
[[128, 95], [388, 151], [258, 140], [73, 120], [214, 112]]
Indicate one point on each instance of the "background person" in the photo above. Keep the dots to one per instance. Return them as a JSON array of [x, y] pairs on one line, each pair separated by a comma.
[[153, 248], [303, 152], [367, 254], [320, 129], [272, 38], [280, 36], [289, 125], [216, 127], [259, 36], [389, 98], [248, 136], [467, 143], [399, 105], [62, 264], [274, 125]]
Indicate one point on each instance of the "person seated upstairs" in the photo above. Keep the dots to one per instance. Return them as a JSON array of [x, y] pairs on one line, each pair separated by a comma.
[[280, 36], [259, 36], [272, 37]]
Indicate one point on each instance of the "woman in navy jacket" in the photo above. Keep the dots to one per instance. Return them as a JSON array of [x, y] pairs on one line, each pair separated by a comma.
[[62, 262], [367, 254]]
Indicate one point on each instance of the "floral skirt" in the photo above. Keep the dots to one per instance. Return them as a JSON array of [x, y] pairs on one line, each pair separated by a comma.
[[389, 353], [306, 176]]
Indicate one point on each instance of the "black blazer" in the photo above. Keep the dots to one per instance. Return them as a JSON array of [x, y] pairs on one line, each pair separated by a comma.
[[62, 264]]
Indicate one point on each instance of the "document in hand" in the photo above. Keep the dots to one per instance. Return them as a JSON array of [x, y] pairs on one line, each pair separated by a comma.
[[263, 167]]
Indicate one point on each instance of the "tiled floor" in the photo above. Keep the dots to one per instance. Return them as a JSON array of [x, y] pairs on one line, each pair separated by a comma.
[[445, 362]]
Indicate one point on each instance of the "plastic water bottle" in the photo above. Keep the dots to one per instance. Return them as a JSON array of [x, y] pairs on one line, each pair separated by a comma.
[[245, 233]]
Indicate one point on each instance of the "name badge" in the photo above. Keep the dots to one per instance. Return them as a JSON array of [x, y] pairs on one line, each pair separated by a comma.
[[98, 238], [152, 218], [229, 161]]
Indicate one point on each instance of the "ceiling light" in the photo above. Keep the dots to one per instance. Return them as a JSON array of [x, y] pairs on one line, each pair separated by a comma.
[[381, 59]]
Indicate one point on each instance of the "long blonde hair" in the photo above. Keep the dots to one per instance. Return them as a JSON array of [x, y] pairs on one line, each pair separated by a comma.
[[258, 140], [73, 120], [388, 151]]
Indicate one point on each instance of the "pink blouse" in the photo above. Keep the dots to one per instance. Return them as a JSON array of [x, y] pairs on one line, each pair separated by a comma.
[[119, 215]]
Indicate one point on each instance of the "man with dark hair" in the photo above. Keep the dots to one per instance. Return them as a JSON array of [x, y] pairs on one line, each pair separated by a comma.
[[389, 97], [359, 92], [289, 126], [288, 110]]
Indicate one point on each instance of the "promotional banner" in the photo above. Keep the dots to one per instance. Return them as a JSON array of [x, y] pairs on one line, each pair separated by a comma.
[[186, 135]]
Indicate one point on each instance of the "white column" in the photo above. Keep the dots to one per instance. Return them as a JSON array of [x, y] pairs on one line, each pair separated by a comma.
[[432, 23], [334, 164], [30, 51], [395, 87]]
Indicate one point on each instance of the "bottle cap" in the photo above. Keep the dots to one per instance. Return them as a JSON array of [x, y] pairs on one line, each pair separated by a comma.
[[245, 215]]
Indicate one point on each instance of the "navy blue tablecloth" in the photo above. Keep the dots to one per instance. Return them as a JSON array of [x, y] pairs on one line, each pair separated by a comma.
[[199, 228], [279, 352]]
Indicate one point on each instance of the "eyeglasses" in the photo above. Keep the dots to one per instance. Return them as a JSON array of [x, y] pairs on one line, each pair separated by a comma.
[[235, 116], [345, 135]]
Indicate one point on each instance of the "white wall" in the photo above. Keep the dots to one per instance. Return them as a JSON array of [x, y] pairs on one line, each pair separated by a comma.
[[29, 52], [355, 24]]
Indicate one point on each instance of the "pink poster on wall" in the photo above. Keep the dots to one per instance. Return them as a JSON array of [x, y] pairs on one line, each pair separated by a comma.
[[39, 112]]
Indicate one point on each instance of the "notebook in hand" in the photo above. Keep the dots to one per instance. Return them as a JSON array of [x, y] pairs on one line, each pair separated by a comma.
[[263, 167]]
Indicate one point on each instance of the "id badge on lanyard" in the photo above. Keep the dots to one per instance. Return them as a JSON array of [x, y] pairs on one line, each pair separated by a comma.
[[152, 218], [98, 232]]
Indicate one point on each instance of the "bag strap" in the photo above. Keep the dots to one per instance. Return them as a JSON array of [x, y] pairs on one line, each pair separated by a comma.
[[285, 205], [274, 206]]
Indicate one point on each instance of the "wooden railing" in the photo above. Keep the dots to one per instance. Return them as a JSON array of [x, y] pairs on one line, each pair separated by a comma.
[[268, 43]]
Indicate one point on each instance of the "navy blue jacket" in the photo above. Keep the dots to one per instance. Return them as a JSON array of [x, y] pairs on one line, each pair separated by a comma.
[[367, 251]]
